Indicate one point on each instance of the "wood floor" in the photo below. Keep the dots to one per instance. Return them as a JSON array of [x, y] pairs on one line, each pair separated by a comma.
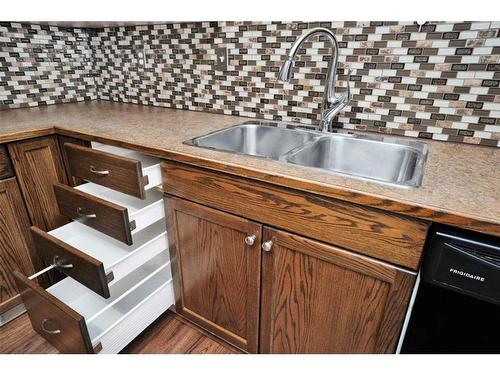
[[169, 334]]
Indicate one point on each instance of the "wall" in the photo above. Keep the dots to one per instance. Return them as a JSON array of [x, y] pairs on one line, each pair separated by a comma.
[[441, 82], [42, 65]]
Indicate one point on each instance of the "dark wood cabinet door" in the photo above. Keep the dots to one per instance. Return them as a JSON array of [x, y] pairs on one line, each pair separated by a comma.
[[15, 242], [320, 299], [73, 181], [216, 273], [5, 165], [38, 165]]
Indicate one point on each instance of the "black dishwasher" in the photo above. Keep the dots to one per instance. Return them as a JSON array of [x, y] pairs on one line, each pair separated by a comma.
[[457, 303]]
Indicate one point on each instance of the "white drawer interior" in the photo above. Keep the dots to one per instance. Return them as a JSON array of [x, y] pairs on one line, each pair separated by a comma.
[[150, 165], [144, 211], [130, 295], [115, 255]]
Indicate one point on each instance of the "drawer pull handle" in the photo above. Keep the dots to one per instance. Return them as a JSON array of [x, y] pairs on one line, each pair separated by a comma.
[[82, 215], [49, 331], [98, 173], [250, 239], [57, 262], [267, 246]]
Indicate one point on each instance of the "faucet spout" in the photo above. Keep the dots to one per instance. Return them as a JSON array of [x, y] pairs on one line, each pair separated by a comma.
[[331, 104]]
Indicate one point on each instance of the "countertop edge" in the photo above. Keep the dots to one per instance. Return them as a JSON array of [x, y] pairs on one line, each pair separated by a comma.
[[33, 133]]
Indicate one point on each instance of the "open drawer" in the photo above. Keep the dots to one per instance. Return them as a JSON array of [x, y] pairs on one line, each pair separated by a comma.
[[119, 169], [76, 320], [94, 259], [116, 214]]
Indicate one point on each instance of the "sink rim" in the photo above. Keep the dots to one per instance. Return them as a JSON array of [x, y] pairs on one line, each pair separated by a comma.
[[420, 148]]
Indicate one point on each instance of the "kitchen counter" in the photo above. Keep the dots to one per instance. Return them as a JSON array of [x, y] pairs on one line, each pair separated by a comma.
[[460, 187]]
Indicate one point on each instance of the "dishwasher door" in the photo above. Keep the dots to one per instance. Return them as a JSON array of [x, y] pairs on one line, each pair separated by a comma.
[[457, 303]]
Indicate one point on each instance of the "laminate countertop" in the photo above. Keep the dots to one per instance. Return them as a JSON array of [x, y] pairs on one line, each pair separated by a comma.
[[460, 187]]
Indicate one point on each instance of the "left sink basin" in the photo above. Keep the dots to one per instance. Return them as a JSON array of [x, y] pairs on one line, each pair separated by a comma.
[[254, 139]]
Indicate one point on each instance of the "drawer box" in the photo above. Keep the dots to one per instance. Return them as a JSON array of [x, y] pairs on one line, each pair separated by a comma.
[[119, 169], [76, 320], [116, 214], [98, 261]]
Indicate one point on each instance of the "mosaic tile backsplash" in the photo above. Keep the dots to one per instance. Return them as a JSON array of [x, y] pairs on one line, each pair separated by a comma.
[[439, 81], [44, 65]]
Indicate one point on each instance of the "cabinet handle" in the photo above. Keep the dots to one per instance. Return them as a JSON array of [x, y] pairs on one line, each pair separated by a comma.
[[267, 246], [99, 173], [80, 213], [250, 239], [49, 331], [57, 262]]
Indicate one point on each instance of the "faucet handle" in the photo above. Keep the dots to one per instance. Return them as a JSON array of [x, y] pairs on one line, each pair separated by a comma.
[[348, 93]]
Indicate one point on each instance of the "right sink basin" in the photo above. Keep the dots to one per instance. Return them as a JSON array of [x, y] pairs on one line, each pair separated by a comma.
[[390, 162]]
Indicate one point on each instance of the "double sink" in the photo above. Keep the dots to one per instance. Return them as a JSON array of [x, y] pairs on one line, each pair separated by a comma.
[[382, 159]]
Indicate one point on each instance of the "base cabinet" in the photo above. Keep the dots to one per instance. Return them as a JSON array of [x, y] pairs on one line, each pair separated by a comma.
[[270, 291], [216, 270]]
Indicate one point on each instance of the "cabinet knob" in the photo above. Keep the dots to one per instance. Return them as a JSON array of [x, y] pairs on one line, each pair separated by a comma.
[[250, 239], [267, 246]]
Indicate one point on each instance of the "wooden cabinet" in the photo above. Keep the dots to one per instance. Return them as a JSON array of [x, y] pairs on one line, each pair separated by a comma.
[[38, 165], [15, 242], [312, 297], [318, 298], [216, 269]]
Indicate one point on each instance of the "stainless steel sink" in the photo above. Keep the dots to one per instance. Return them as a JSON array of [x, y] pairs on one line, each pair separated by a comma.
[[383, 159], [254, 139], [389, 162]]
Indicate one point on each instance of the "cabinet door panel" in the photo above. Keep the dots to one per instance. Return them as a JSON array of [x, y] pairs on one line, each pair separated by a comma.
[[15, 240], [320, 299], [5, 165], [73, 181], [39, 166], [216, 274]]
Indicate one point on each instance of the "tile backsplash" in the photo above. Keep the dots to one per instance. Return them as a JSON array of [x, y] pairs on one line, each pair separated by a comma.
[[42, 64], [439, 81]]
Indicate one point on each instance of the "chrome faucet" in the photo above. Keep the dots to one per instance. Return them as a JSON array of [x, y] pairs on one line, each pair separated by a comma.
[[332, 104]]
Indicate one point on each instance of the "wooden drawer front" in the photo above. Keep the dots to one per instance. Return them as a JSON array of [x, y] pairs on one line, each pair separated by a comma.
[[71, 261], [118, 258], [141, 212], [113, 171], [375, 233], [6, 170], [95, 212], [60, 325], [76, 320]]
